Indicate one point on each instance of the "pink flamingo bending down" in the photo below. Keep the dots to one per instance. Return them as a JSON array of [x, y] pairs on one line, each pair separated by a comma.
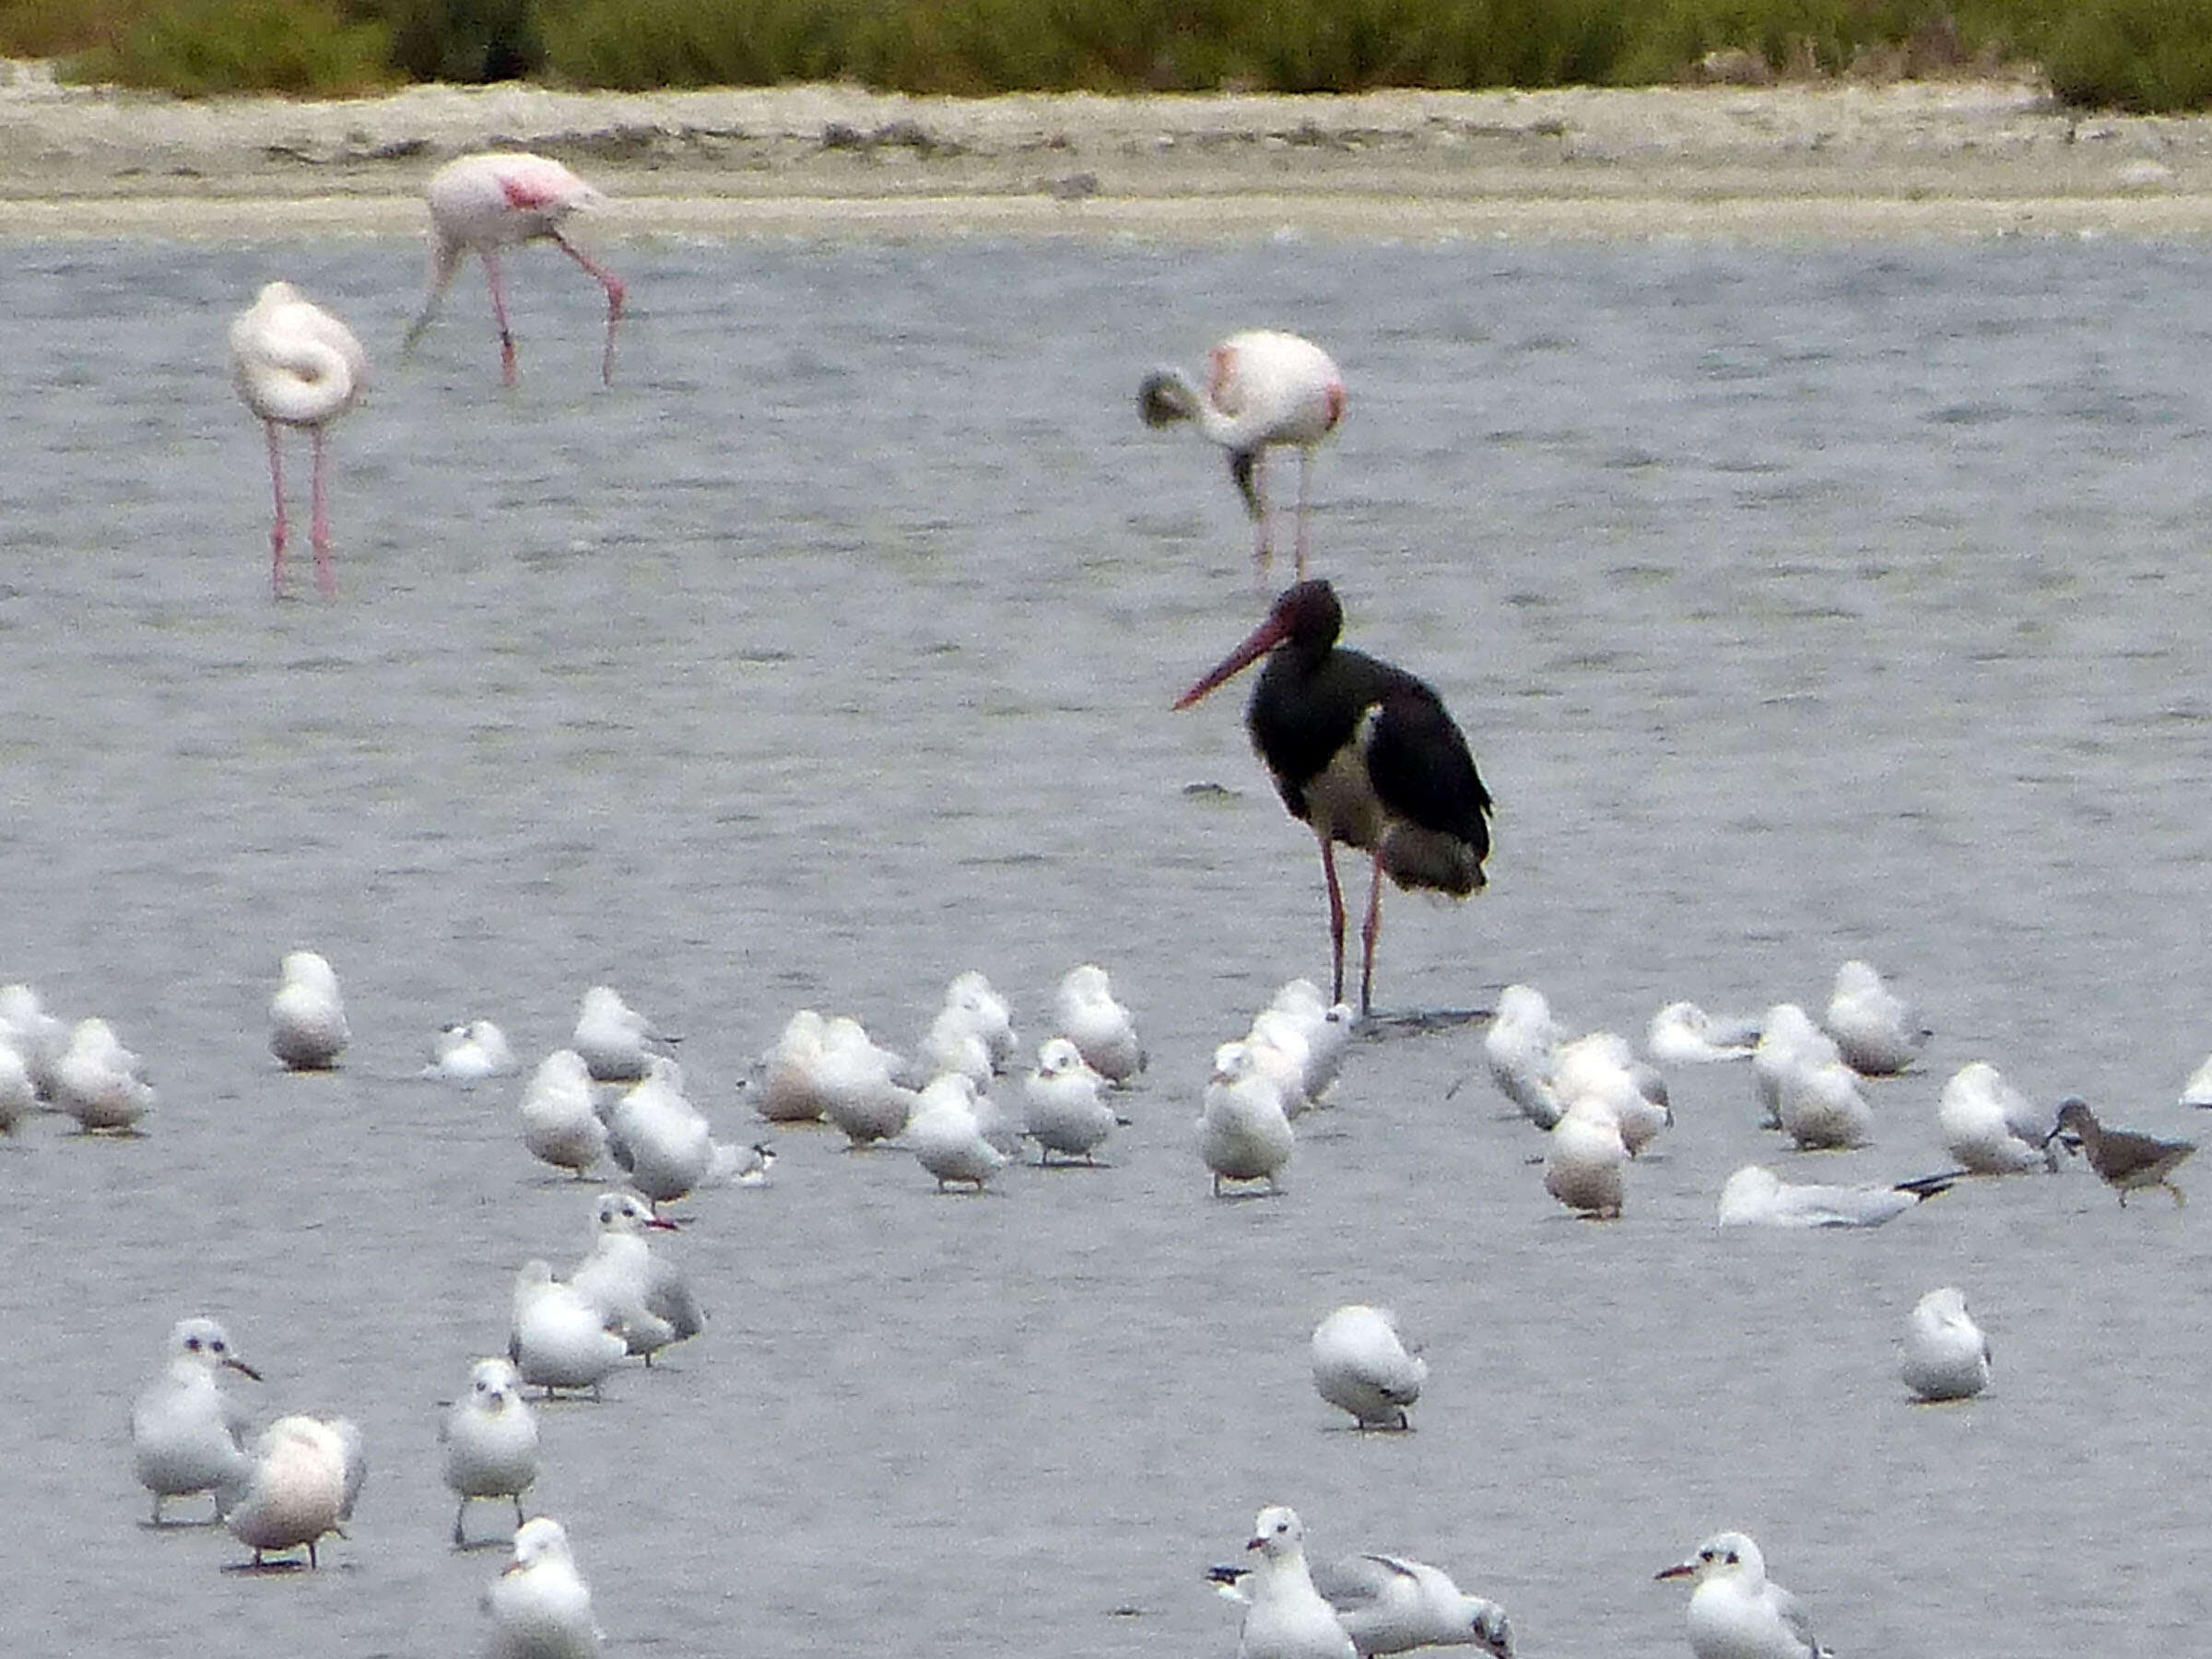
[[295, 365], [1264, 390], [481, 203]]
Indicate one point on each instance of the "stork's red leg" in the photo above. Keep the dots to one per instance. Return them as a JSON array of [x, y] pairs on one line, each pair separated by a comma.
[[1328, 867], [1368, 934]]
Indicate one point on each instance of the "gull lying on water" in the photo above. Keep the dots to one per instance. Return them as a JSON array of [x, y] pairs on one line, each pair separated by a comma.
[[1684, 1034], [559, 1339], [1736, 1612], [1284, 1616], [1945, 1357], [468, 1052], [19, 1094], [1583, 1163], [540, 1606], [947, 1136], [1878, 1032], [1520, 1046], [560, 1126], [39, 1038], [616, 1041], [662, 1142], [306, 1474], [1361, 1364], [1755, 1196], [635, 1291], [491, 1439], [100, 1083], [855, 1084], [1086, 1013], [1065, 1104], [1244, 1132], [1990, 1126], [1820, 1106], [307, 1018], [187, 1435], [2122, 1158], [788, 1092], [1390, 1604]]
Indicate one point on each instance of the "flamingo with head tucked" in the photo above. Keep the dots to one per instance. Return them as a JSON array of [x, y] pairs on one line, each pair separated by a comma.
[[1264, 390], [481, 203], [295, 365]]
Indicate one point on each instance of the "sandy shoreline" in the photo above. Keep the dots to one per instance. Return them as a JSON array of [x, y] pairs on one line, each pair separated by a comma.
[[1959, 159]]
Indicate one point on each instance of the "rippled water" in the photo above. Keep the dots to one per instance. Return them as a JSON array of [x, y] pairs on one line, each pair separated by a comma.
[[1800, 604]]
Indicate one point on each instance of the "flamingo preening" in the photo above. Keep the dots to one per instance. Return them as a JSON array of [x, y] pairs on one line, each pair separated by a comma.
[[1264, 390], [1366, 754], [481, 203], [297, 365]]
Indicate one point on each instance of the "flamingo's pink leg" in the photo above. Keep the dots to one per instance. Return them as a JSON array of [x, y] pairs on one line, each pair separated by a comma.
[[319, 526], [615, 295], [1305, 469], [499, 316], [277, 530]]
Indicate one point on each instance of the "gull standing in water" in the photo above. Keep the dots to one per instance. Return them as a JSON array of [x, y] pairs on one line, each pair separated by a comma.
[[1361, 1364], [1245, 1132], [559, 1126], [1063, 1103], [1264, 390], [100, 1083], [1991, 1127], [484, 203], [643, 1296], [616, 1041], [307, 1017], [560, 1340], [187, 1435], [491, 1439], [1285, 1616], [306, 1474], [295, 365], [1735, 1611], [540, 1606]]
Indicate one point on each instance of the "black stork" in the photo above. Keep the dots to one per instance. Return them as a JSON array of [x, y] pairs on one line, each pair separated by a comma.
[[1366, 754]]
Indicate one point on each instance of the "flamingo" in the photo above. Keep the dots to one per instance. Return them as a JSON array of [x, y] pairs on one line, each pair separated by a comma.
[[295, 365], [1364, 753], [1264, 390], [481, 203]]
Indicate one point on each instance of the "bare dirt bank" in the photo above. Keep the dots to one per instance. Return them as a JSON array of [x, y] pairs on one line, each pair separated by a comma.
[[1921, 158]]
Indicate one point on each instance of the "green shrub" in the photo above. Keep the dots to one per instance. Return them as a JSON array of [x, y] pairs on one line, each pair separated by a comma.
[[2146, 55], [197, 48]]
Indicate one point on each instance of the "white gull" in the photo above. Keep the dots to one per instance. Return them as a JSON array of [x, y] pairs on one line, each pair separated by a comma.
[[307, 1017], [1736, 1612], [1244, 1132], [187, 1435], [1946, 1355], [1755, 1196], [1878, 1032], [561, 1124], [1104, 1033], [540, 1606], [489, 1437], [1363, 1365]]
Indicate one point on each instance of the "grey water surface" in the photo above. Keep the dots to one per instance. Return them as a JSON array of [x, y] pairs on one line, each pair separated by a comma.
[[1799, 603]]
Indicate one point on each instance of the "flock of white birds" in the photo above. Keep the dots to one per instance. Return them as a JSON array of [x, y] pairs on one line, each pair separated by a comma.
[[615, 1095]]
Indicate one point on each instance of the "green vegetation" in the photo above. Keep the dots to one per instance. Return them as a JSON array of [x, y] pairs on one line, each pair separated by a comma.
[[2132, 55]]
